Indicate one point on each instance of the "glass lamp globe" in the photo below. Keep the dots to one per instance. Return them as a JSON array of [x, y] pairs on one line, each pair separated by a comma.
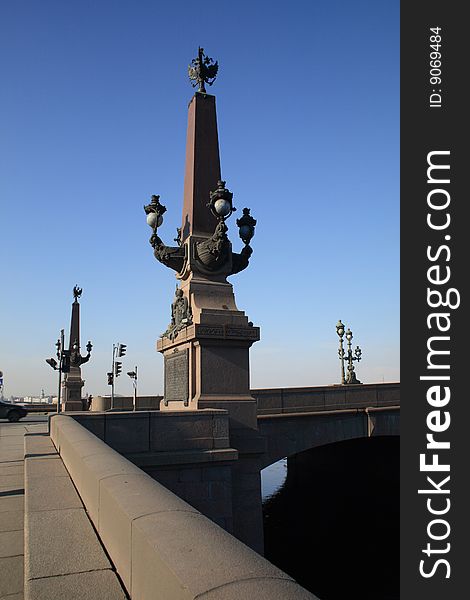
[[246, 232], [222, 207], [153, 220]]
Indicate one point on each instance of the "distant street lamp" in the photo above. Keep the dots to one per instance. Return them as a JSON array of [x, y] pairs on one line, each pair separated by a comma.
[[63, 366], [133, 376], [350, 378]]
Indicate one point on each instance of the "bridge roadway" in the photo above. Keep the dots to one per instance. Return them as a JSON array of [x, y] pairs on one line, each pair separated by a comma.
[[203, 461]]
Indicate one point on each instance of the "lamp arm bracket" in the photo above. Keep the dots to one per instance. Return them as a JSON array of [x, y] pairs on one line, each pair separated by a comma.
[[240, 261], [171, 256]]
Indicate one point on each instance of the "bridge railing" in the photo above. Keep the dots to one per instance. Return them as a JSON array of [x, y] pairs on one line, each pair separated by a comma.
[[161, 547]]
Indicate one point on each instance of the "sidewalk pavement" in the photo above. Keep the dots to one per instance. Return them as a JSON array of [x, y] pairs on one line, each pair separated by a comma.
[[12, 506]]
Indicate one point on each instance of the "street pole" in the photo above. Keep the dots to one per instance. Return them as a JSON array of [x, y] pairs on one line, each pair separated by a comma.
[[61, 359], [58, 393], [135, 389], [112, 381]]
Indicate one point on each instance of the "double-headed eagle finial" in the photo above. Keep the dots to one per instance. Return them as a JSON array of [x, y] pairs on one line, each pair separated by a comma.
[[202, 70], [77, 292]]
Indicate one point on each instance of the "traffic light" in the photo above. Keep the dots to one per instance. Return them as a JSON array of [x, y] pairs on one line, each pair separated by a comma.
[[52, 363], [122, 348], [117, 368], [110, 378]]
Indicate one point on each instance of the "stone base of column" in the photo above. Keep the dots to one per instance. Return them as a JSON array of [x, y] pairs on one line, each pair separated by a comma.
[[72, 390]]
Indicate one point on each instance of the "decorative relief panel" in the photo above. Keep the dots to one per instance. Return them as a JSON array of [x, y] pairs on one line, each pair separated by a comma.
[[177, 377]]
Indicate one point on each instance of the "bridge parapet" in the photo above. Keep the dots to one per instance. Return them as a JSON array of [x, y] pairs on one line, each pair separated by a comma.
[[162, 548], [333, 397]]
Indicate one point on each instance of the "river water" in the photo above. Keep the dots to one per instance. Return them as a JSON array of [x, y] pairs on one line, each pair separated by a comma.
[[331, 519]]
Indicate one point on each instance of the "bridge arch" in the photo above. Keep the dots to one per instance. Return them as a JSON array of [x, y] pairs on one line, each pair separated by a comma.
[[289, 434]]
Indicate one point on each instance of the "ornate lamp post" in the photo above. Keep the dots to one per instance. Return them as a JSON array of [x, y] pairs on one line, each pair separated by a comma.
[[63, 366], [206, 345], [207, 329], [340, 332], [348, 356]]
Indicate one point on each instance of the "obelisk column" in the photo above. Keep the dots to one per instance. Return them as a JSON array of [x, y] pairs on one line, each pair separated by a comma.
[[207, 351], [73, 382], [202, 169]]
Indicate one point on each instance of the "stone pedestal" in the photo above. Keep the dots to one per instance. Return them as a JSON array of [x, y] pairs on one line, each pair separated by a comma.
[[208, 367], [72, 390], [207, 364]]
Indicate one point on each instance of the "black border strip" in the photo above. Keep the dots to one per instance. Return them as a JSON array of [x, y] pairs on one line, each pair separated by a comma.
[[425, 129]]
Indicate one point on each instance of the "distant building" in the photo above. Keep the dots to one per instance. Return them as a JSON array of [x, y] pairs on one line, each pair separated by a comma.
[[43, 399]]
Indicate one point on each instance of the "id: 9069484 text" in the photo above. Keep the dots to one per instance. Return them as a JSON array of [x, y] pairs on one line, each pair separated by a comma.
[[435, 63]]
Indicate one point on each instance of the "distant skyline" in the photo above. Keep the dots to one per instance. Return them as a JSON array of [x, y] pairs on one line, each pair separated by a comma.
[[93, 119]]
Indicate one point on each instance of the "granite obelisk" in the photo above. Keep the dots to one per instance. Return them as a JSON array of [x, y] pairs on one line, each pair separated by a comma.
[[73, 382], [206, 345]]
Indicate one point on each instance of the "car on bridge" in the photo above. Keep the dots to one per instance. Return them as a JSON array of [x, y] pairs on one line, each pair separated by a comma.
[[12, 412]]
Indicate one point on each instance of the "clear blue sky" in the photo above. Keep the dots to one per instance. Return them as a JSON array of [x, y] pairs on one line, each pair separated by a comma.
[[93, 116]]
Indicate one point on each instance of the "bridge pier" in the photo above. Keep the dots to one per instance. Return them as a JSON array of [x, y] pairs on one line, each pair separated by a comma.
[[206, 485], [246, 488], [197, 455]]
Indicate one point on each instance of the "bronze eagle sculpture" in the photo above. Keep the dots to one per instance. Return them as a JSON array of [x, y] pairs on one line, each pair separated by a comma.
[[202, 70]]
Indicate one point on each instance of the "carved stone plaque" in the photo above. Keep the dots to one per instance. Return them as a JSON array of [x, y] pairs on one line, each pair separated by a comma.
[[177, 377]]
